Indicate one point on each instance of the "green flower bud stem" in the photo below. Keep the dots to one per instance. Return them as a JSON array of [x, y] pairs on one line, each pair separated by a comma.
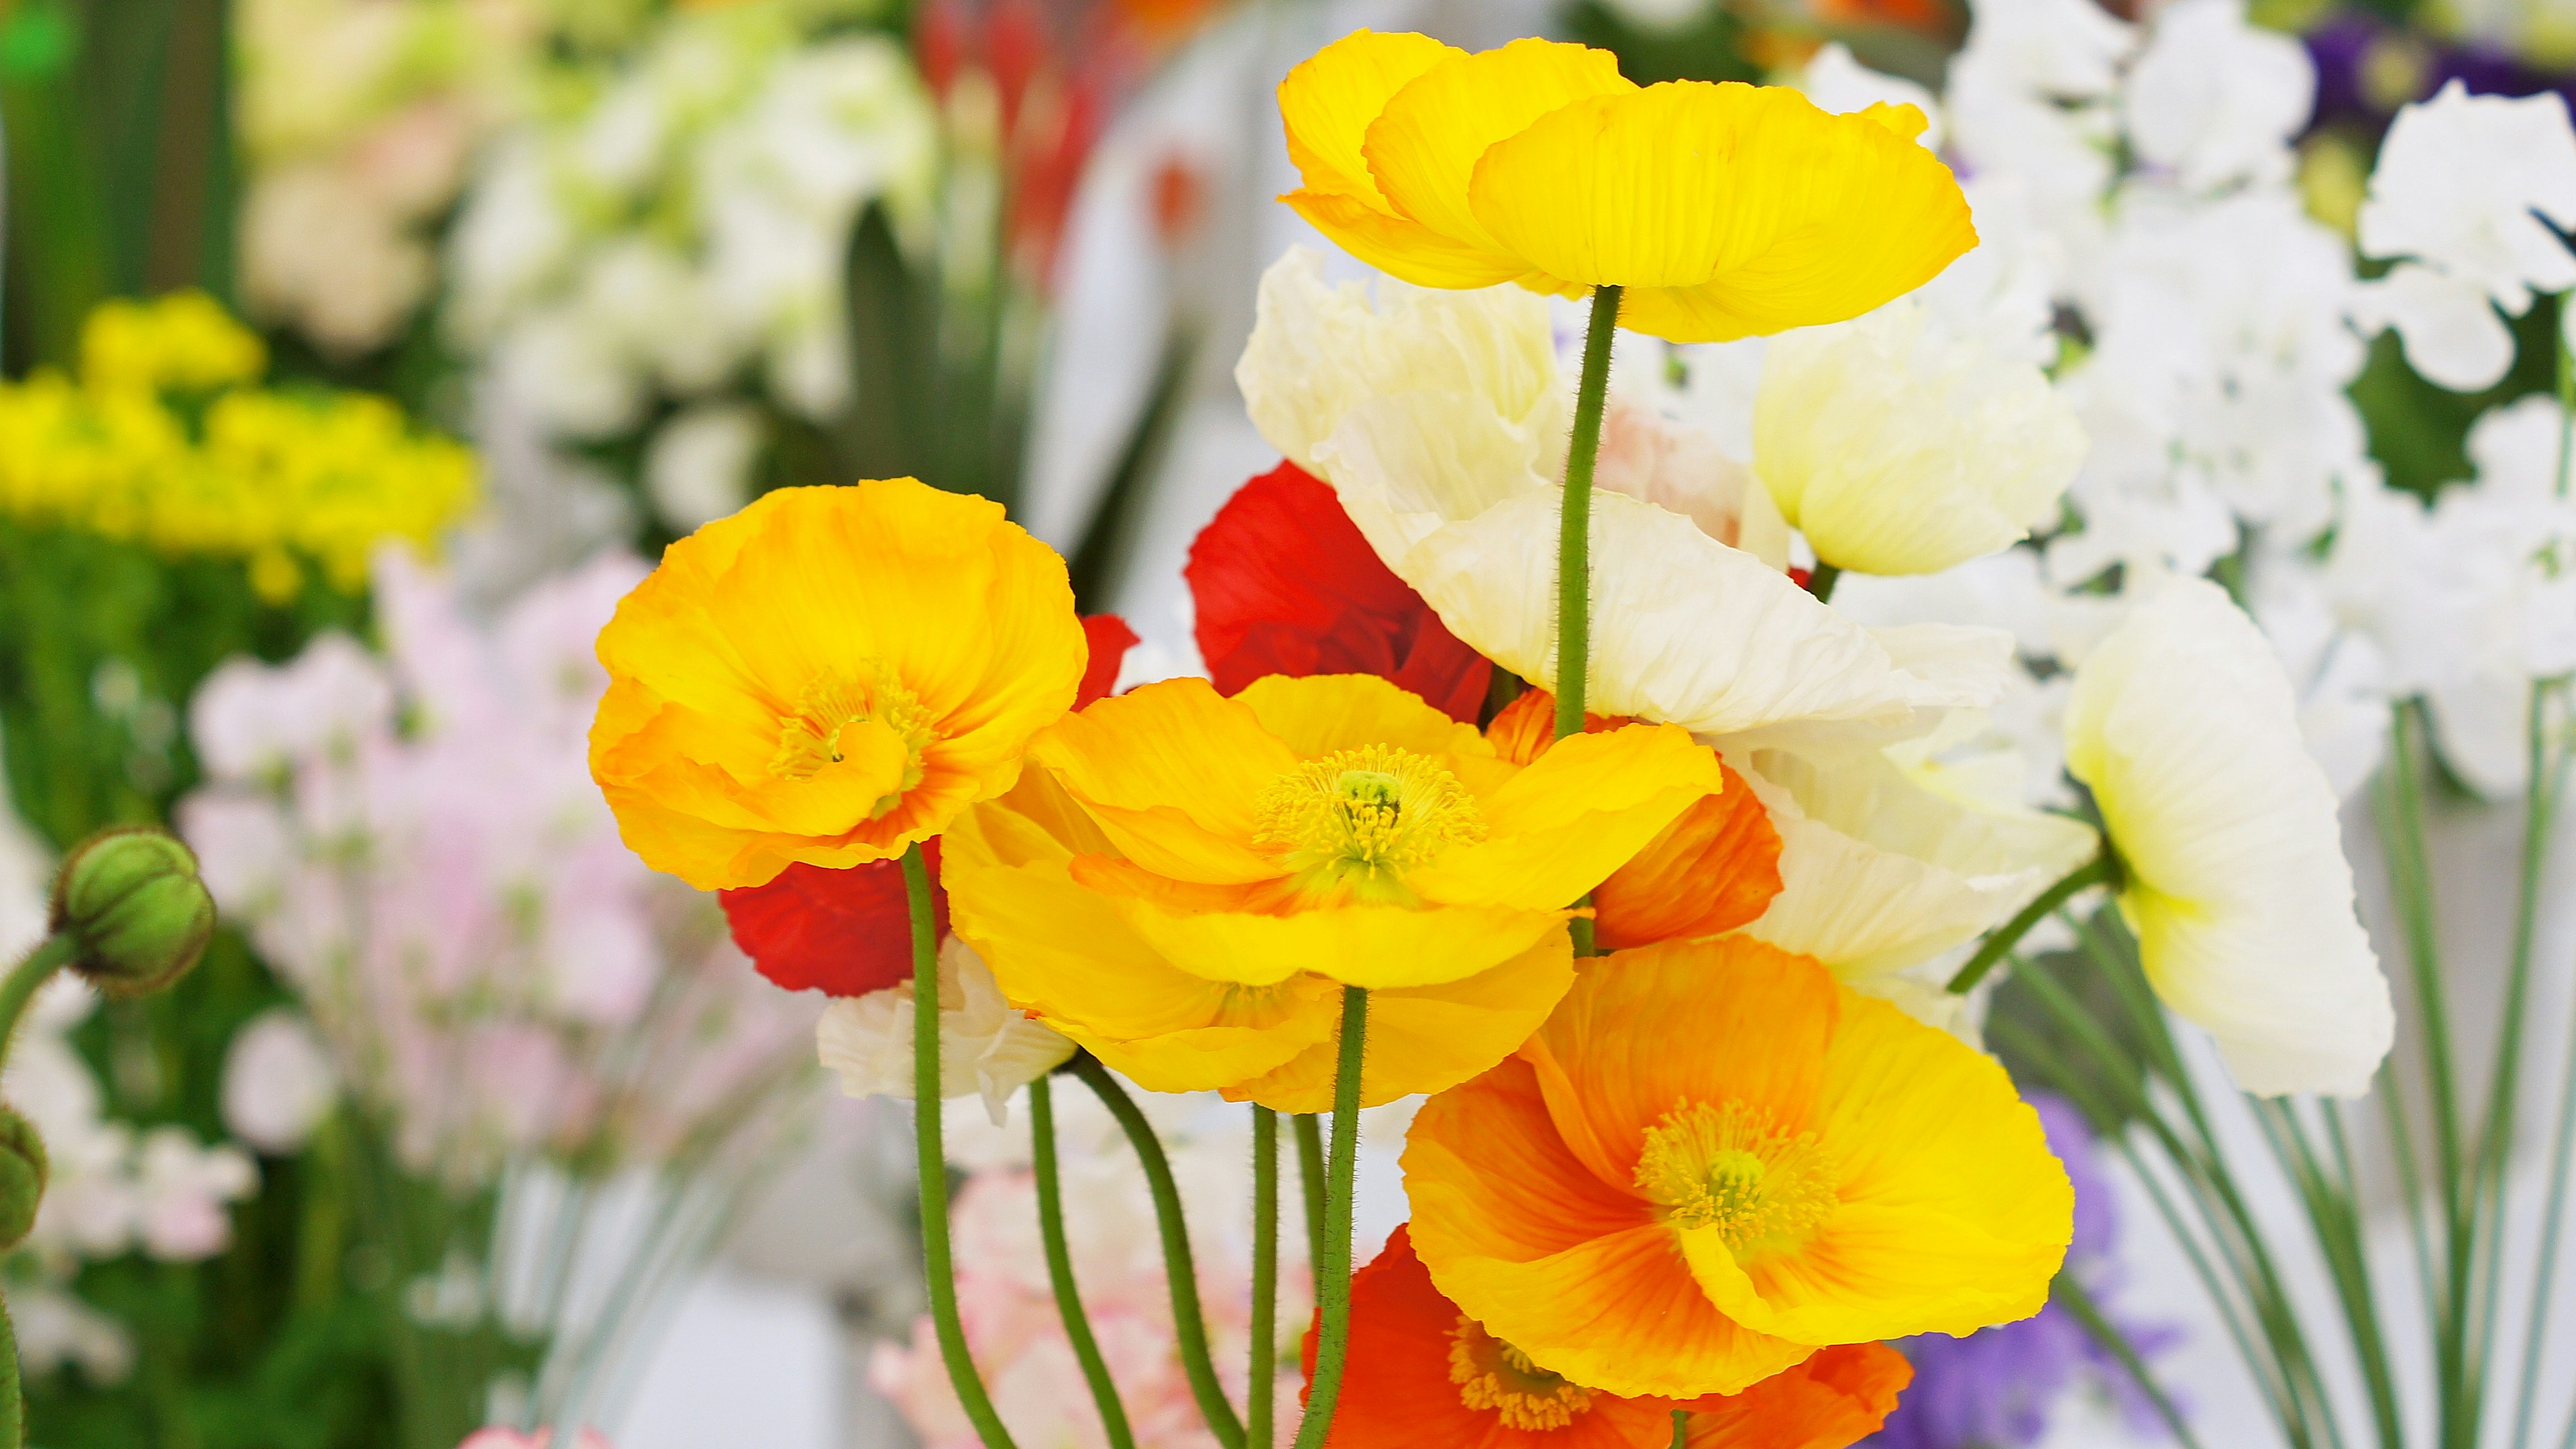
[[13, 1402], [19, 987]]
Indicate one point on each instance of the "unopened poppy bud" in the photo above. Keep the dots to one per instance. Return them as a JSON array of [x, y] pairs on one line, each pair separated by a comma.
[[22, 1178], [131, 901]]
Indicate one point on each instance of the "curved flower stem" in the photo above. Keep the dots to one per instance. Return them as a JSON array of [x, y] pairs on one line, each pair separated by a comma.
[[1258, 1399], [1333, 1268], [2097, 871], [1059, 1258], [20, 986], [1310, 1178], [1574, 523], [932, 1160], [1189, 1325]]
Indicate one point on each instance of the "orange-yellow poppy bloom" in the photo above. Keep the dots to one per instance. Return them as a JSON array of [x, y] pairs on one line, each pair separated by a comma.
[[1189, 881], [1422, 1375], [1714, 1160], [1713, 869], [1724, 210], [828, 676]]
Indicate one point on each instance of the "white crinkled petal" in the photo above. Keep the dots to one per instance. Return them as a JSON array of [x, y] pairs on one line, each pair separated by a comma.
[[1687, 630], [986, 1048], [2187, 730], [1878, 872], [2452, 334]]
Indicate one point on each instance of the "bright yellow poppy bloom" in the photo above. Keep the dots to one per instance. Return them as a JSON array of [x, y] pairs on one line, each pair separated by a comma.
[[1714, 1160], [1065, 952], [1725, 210], [828, 676], [1340, 826]]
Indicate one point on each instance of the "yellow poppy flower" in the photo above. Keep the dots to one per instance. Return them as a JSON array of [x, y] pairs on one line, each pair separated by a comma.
[[828, 676], [1713, 1160], [1339, 825], [1724, 210], [1066, 953]]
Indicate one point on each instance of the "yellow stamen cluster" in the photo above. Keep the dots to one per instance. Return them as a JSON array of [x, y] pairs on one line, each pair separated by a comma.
[[810, 737], [1766, 1190], [1491, 1374], [160, 442], [1363, 817]]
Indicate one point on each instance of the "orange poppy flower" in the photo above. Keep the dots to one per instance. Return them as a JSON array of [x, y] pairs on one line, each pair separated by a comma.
[[1422, 1375], [1710, 871], [1714, 1160]]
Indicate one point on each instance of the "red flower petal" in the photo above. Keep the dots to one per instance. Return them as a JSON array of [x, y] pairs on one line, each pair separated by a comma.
[[1285, 584], [840, 932], [1110, 639]]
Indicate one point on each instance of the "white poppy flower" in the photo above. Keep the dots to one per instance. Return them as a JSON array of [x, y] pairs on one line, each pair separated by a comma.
[[2187, 730], [1899, 450], [986, 1046], [1439, 421]]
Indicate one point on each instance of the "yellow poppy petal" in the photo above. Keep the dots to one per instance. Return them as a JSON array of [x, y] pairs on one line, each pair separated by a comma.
[[1328, 101], [1587, 806], [1429, 1038], [1398, 247], [1726, 210], [1318, 714], [1423, 148], [1185, 813], [1360, 944]]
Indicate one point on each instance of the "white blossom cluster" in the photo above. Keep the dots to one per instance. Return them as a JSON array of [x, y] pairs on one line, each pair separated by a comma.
[[113, 1189], [676, 234], [2144, 240]]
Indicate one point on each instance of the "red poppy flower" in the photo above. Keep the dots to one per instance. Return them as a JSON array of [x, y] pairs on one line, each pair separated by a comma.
[[1422, 1375], [849, 932], [1285, 584]]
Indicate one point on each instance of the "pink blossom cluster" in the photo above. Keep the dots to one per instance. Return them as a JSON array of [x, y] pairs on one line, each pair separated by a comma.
[[415, 843]]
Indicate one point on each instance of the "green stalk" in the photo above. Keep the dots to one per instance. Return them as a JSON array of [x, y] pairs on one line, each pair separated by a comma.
[[1059, 1257], [2336, 1221], [1821, 582], [21, 984], [1180, 1268], [1574, 524], [932, 1161], [1333, 1269], [1681, 1429], [1257, 1403], [2097, 871], [1310, 1178], [2080, 1306]]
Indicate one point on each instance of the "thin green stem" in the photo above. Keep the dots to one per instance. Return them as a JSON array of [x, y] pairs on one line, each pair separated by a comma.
[[2079, 1305], [1059, 1259], [1257, 1404], [2553, 1220], [1681, 1429], [2336, 1221], [932, 1161], [1180, 1268], [22, 983], [1821, 582], [1310, 1179], [1574, 524], [2096, 871], [1333, 1268]]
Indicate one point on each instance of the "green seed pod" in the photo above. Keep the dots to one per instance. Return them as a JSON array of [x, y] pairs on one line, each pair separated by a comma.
[[131, 901], [22, 1178]]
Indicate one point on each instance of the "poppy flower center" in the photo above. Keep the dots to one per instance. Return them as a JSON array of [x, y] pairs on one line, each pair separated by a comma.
[[1765, 1189], [1491, 1374], [1361, 818], [839, 720]]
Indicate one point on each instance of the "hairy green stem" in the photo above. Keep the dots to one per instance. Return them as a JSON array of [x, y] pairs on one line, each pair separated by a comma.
[[931, 1158], [1574, 524], [1265, 1277], [1681, 1429], [2097, 871], [1310, 1181], [1059, 1259], [22, 983], [1180, 1268], [1333, 1267]]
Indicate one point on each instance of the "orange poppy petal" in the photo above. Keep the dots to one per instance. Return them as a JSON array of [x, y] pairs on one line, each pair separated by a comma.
[[1714, 869], [1646, 1030], [1835, 1399], [1561, 826], [1488, 1175], [1524, 728]]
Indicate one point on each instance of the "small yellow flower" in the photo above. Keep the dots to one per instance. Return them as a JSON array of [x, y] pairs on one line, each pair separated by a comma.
[[182, 342], [1725, 210], [828, 676]]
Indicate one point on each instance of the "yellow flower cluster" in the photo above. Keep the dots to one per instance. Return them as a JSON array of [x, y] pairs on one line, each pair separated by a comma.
[[162, 440]]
